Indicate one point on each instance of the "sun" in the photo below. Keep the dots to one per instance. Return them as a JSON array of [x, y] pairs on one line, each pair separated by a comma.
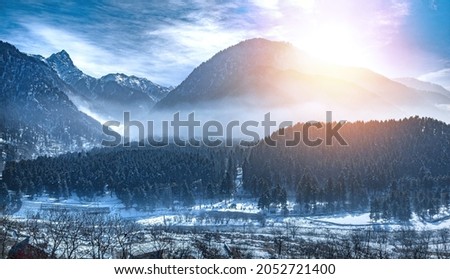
[[335, 44]]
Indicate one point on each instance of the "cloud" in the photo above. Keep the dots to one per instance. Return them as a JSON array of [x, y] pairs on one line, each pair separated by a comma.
[[392, 16], [86, 54], [194, 41], [277, 5]]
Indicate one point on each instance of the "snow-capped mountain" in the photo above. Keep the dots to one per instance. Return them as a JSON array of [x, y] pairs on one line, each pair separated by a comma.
[[63, 65], [259, 73], [154, 91], [36, 115], [109, 95]]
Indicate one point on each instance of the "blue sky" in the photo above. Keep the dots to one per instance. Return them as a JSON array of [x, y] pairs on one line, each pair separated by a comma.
[[165, 40]]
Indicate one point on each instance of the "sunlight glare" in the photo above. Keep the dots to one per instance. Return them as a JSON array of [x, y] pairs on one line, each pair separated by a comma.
[[336, 45]]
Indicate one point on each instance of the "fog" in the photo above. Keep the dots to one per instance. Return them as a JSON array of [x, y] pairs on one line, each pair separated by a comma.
[[239, 120]]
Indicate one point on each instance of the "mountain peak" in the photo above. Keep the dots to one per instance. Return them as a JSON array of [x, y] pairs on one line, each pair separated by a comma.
[[61, 56], [260, 41], [118, 77], [237, 69], [63, 53], [5, 46], [261, 44], [63, 65]]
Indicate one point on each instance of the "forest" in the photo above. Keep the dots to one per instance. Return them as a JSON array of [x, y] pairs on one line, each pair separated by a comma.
[[391, 168]]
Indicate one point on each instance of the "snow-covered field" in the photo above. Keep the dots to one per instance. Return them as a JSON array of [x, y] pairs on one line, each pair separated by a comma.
[[229, 213]]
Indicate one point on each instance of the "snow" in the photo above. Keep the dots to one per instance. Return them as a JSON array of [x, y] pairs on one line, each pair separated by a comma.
[[232, 213], [347, 219], [248, 206], [239, 221], [32, 206], [419, 224]]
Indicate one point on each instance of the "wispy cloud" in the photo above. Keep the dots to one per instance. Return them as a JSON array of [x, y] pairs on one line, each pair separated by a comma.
[[91, 57], [389, 19], [186, 43]]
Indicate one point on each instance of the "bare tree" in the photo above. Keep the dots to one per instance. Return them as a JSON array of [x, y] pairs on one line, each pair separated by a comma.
[[126, 234], [97, 234], [357, 244], [160, 240], [442, 242], [57, 225], [72, 242], [6, 226], [411, 244], [291, 229], [34, 229], [207, 250], [422, 249], [183, 250], [382, 241]]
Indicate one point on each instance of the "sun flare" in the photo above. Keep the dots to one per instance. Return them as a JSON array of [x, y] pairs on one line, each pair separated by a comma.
[[335, 44]]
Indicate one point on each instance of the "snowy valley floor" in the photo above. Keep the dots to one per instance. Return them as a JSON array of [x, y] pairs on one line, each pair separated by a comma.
[[227, 229]]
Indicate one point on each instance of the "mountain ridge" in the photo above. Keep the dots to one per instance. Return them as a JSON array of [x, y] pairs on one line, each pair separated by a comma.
[[423, 85], [109, 95]]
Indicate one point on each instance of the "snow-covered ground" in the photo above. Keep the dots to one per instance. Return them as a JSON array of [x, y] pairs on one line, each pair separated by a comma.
[[242, 213], [362, 220]]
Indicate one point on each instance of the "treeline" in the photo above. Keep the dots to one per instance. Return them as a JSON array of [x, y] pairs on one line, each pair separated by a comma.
[[392, 167], [140, 177]]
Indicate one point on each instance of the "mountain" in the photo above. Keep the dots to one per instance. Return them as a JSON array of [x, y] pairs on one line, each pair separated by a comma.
[[262, 74], [68, 72], [423, 85], [36, 115], [109, 95]]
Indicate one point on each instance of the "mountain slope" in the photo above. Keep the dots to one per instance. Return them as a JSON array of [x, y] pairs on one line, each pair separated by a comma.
[[423, 85], [36, 115]]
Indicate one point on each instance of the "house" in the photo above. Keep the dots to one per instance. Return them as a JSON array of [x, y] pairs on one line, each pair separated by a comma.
[[24, 250], [158, 254]]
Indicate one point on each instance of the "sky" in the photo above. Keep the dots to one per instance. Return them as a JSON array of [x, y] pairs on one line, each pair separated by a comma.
[[165, 40]]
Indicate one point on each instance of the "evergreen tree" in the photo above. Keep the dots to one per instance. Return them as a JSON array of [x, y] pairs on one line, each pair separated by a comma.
[[227, 186], [375, 209], [210, 191], [188, 197], [127, 198], [279, 196], [264, 200], [4, 197]]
